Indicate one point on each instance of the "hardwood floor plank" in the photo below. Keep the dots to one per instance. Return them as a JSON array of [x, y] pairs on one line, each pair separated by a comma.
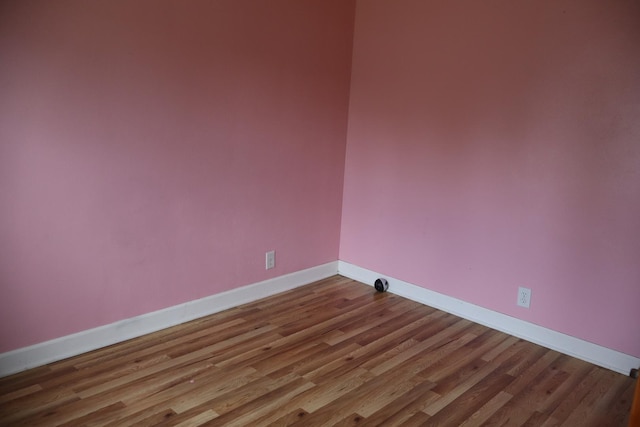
[[357, 323], [254, 390], [36, 376], [327, 392], [26, 391], [500, 349], [332, 353], [576, 372], [575, 397], [487, 410], [536, 419], [36, 404], [191, 392], [418, 419], [445, 384], [462, 356], [311, 333], [96, 418], [407, 405], [186, 365], [597, 398], [484, 373], [320, 358], [199, 419], [532, 371], [253, 410], [469, 401], [384, 389], [151, 416], [290, 418]]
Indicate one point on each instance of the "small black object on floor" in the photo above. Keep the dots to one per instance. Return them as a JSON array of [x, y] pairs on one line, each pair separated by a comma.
[[381, 285]]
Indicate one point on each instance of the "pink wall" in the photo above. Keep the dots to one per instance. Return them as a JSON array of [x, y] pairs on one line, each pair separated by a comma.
[[495, 145], [152, 151]]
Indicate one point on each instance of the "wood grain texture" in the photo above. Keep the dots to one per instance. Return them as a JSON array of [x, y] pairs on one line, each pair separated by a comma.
[[331, 353], [634, 419]]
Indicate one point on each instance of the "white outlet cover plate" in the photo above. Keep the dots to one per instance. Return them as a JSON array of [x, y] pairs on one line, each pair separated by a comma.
[[270, 260], [524, 297]]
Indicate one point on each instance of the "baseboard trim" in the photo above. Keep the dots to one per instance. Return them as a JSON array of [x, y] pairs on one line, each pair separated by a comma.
[[72, 345], [575, 347]]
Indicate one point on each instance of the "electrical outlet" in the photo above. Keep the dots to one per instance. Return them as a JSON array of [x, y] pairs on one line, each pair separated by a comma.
[[524, 297], [270, 260]]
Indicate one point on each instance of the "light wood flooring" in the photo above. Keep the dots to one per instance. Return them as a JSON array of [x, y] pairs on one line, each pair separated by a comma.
[[331, 353]]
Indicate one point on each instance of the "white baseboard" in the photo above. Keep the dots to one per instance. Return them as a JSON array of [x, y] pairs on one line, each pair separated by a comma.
[[575, 347], [91, 339]]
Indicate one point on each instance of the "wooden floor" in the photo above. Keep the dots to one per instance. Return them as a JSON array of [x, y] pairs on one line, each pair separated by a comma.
[[332, 353]]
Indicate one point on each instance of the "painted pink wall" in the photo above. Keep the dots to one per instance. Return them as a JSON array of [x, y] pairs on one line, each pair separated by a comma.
[[152, 151], [493, 145]]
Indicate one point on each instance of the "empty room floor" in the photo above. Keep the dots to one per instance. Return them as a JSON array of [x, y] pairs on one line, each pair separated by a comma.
[[334, 352]]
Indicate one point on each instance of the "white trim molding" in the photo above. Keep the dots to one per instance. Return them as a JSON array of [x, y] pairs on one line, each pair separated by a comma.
[[72, 345], [575, 347]]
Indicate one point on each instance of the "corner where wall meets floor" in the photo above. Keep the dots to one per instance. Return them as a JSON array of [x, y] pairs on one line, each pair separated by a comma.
[[40, 354]]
